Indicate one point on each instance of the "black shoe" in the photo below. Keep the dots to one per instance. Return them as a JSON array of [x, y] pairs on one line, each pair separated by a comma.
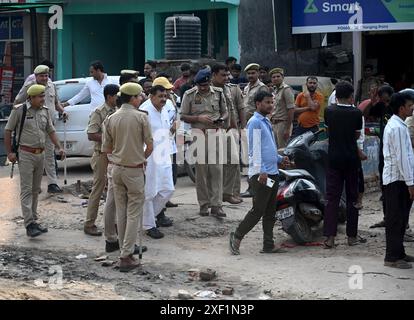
[[247, 194], [41, 228], [136, 250], [54, 188], [234, 244], [32, 231], [161, 214], [155, 233], [171, 205], [164, 222], [111, 246]]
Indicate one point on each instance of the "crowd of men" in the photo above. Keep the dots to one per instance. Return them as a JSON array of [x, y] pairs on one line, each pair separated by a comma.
[[134, 125]]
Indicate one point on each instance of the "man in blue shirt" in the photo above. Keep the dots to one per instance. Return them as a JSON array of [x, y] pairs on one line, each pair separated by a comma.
[[263, 174]]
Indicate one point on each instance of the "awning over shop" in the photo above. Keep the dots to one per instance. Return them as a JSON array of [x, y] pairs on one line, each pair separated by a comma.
[[9, 7]]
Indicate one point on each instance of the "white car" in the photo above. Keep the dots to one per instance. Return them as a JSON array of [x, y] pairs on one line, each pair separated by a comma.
[[77, 143]]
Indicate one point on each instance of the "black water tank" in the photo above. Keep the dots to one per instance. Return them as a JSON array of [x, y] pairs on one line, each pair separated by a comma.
[[182, 37]]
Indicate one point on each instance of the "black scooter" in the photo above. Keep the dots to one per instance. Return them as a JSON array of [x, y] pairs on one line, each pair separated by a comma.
[[301, 195]]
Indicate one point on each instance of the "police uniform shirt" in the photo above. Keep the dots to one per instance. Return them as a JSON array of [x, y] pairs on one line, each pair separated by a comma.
[[36, 125], [212, 104], [126, 131], [235, 95], [249, 93], [284, 101], [96, 120], [51, 97]]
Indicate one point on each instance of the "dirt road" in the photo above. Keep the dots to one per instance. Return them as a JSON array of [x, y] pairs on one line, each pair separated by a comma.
[[61, 264]]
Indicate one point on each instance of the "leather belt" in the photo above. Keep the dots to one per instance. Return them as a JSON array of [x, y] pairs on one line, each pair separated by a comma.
[[131, 167], [32, 150]]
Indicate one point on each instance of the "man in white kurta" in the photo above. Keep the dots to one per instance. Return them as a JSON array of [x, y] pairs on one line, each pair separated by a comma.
[[159, 185]]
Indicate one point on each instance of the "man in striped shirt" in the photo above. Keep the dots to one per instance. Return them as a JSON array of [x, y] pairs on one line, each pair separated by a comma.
[[398, 180]]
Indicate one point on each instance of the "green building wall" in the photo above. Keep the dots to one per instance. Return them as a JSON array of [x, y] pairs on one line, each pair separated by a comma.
[[104, 30]]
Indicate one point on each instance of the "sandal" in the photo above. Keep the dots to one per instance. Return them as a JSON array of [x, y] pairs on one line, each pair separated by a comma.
[[329, 244]]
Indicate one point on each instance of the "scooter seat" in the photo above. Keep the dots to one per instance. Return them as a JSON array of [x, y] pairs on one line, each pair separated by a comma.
[[296, 174]]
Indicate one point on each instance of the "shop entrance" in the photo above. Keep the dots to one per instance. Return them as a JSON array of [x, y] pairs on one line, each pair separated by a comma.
[[392, 55]]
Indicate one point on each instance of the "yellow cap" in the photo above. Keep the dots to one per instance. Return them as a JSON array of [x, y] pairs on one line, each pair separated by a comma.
[[163, 82], [277, 70], [252, 66], [41, 69], [35, 90], [130, 72], [131, 89]]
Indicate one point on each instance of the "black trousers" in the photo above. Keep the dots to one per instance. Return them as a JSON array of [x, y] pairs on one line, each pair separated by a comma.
[[335, 180], [397, 209], [264, 206]]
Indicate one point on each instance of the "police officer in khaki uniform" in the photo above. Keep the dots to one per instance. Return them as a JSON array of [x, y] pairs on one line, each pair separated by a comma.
[[234, 101], [125, 133], [249, 92], [282, 116], [252, 88], [52, 103], [205, 108], [36, 128], [99, 161]]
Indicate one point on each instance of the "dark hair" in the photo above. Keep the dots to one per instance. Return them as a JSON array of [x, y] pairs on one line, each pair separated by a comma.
[[266, 80], [261, 95], [124, 78], [230, 59], [48, 63], [156, 89], [264, 68], [344, 90], [237, 67], [97, 65], [110, 90], [398, 100], [218, 67], [312, 78], [185, 67], [125, 98], [151, 63], [385, 89]]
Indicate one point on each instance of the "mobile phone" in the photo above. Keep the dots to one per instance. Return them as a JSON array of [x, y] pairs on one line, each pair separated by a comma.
[[269, 183]]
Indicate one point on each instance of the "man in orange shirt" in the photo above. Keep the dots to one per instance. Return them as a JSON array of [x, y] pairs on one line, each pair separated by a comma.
[[308, 106]]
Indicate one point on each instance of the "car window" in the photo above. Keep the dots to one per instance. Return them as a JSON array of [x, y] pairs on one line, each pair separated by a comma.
[[296, 90], [69, 90]]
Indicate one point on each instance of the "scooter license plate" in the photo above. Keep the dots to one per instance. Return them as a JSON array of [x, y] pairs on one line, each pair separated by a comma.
[[285, 213]]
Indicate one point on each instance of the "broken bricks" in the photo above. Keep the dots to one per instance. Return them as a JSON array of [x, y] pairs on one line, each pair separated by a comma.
[[184, 295], [207, 274], [228, 291]]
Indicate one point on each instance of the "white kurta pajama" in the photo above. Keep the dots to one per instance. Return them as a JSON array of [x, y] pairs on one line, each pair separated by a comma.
[[159, 186]]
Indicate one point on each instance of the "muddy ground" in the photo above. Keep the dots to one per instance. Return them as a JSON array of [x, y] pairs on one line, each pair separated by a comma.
[[61, 264]]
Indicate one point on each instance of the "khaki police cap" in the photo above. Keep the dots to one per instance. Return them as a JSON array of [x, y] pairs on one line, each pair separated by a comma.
[[252, 66], [277, 70], [41, 69], [129, 72], [163, 82], [35, 90], [131, 89]]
